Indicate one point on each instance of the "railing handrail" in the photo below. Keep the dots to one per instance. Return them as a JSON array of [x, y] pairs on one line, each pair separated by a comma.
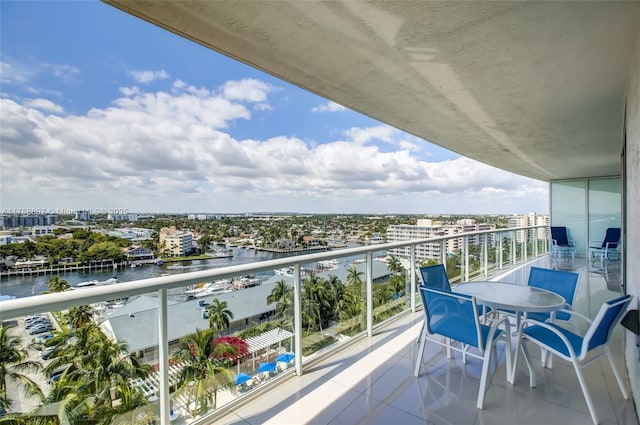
[[58, 301]]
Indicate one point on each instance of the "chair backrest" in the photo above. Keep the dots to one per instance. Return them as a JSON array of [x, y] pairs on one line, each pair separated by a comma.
[[612, 237], [561, 282], [609, 315], [452, 315], [435, 277], [559, 234]]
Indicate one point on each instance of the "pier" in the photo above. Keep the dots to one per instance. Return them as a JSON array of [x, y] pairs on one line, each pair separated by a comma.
[[61, 269]]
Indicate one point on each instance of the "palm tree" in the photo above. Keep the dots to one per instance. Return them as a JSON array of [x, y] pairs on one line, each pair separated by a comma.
[[394, 265], [219, 315], [14, 364], [205, 372], [57, 284], [354, 277], [79, 316], [317, 299], [282, 295]]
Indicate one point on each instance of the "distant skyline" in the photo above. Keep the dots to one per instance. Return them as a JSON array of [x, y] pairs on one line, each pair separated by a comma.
[[101, 110]]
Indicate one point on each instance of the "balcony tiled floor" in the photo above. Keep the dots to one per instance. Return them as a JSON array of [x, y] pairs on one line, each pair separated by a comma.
[[372, 382]]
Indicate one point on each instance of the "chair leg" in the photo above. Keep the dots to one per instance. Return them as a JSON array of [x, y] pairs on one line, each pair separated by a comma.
[[483, 378], [423, 342], [623, 388], [420, 333], [585, 392]]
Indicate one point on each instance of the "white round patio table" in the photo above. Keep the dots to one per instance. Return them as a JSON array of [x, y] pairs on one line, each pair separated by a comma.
[[511, 296]]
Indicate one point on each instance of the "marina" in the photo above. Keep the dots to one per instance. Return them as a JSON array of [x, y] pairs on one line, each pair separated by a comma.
[[20, 286]]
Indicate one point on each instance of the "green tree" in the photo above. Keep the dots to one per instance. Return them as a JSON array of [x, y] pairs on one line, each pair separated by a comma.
[[282, 296], [205, 372], [14, 365], [219, 315], [57, 284], [80, 316]]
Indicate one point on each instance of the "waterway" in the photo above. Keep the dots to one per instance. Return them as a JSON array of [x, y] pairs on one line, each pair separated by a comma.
[[26, 286]]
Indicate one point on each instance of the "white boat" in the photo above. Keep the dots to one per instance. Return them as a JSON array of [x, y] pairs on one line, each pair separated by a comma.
[[209, 288], [327, 265], [95, 282], [286, 271], [222, 253], [87, 283]]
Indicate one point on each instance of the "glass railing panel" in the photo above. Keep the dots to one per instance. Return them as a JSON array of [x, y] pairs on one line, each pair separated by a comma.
[[391, 293], [351, 304]]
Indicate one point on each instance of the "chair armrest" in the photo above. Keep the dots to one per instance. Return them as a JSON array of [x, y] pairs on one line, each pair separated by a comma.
[[572, 243], [569, 310], [547, 326], [495, 323]]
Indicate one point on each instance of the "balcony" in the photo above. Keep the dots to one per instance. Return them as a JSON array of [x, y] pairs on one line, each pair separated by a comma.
[[372, 381], [363, 373]]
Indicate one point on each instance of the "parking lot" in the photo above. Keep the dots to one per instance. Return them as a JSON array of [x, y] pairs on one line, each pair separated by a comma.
[[22, 403]]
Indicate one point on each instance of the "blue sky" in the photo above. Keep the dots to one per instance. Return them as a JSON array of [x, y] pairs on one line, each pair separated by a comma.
[[102, 110]]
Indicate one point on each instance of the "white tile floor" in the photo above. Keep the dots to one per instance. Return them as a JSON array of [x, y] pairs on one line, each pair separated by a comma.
[[372, 382]]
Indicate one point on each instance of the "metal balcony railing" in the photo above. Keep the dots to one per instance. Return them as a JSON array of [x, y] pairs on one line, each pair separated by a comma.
[[482, 254]]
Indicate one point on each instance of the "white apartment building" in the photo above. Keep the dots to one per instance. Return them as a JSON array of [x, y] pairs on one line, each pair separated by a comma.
[[427, 228], [175, 243], [42, 230], [530, 219]]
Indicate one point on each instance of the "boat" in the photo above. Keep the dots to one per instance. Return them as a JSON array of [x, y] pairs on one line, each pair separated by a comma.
[[328, 265], [245, 282], [87, 283], [222, 253], [286, 271], [96, 282], [209, 288]]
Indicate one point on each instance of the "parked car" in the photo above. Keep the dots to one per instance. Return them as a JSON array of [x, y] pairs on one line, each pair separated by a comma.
[[43, 337], [55, 375], [40, 329], [36, 322], [27, 322], [47, 353]]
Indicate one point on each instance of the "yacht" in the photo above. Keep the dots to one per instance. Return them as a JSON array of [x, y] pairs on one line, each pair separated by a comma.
[[209, 288]]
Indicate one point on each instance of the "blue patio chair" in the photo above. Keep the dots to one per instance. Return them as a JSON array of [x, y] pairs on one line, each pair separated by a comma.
[[579, 350], [560, 242], [435, 276], [608, 248], [561, 282], [455, 317]]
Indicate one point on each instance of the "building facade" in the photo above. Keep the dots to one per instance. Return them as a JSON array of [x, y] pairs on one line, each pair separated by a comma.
[[175, 243]]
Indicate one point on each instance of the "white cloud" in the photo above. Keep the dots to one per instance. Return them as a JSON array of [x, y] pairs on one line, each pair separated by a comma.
[[248, 89], [44, 105], [145, 77], [329, 107], [129, 91], [161, 151], [63, 72], [18, 72], [12, 72]]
